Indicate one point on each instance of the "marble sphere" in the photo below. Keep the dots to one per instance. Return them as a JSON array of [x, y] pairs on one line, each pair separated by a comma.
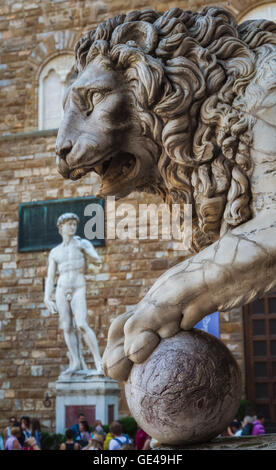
[[187, 391]]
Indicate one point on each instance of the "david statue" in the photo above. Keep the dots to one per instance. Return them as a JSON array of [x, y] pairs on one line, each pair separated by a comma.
[[69, 261]]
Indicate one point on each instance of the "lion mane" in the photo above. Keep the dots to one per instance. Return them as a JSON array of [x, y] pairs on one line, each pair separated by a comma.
[[189, 73]]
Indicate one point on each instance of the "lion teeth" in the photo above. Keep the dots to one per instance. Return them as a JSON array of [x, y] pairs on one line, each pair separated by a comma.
[[77, 173]]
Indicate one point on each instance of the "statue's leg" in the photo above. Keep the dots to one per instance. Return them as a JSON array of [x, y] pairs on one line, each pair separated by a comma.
[[66, 324], [78, 305], [82, 361]]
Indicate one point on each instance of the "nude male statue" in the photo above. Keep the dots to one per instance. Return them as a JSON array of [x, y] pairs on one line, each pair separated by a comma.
[[69, 261]]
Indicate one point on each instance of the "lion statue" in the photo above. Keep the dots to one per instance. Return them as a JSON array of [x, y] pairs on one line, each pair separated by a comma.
[[181, 104]]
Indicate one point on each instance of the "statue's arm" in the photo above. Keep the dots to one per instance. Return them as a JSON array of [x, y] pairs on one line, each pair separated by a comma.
[[50, 283], [90, 251]]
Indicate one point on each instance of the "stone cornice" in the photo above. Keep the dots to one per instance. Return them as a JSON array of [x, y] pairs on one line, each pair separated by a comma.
[[25, 135]]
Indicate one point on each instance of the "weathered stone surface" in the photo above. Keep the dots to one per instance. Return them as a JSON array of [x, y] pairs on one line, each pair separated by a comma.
[[265, 442], [187, 391]]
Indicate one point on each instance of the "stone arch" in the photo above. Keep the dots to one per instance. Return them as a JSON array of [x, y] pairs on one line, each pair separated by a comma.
[[51, 45], [263, 10], [242, 8], [52, 81]]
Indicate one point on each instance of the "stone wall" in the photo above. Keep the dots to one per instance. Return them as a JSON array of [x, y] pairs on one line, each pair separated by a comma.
[[32, 349]]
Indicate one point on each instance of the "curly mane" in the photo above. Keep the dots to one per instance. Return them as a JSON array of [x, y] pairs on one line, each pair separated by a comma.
[[189, 80]]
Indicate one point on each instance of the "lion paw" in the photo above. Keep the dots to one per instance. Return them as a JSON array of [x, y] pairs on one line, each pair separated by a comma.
[[115, 364], [134, 335], [140, 345]]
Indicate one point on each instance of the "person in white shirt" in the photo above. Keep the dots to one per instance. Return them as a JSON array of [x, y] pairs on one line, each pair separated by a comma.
[[119, 438]]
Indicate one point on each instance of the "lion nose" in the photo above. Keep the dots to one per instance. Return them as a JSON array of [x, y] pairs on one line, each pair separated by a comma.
[[63, 148]]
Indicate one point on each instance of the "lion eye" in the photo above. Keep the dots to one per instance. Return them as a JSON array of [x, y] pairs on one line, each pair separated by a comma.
[[91, 100], [97, 97]]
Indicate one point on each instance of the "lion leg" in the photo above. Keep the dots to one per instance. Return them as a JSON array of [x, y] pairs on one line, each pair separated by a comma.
[[114, 362], [195, 311]]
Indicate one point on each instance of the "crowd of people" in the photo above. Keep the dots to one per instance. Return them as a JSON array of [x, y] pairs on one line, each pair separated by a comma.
[[251, 425], [25, 434], [21, 435], [79, 437]]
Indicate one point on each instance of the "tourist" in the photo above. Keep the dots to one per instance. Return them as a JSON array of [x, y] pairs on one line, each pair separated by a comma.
[[238, 433], [258, 425], [107, 440], [36, 431], [7, 430], [140, 439], [247, 425], [76, 427], [118, 437], [25, 424], [12, 442], [96, 443], [26, 432], [233, 428], [98, 427], [84, 434], [31, 444], [2, 445], [69, 444]]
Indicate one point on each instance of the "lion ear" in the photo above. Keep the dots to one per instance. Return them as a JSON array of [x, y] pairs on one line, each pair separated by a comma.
[[141, 33]]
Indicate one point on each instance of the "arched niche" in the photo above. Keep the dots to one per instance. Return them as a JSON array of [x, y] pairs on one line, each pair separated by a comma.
[[266, 11], [54, 78]]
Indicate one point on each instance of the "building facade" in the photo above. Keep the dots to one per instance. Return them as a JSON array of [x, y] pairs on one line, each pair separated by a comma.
[[37, 42]]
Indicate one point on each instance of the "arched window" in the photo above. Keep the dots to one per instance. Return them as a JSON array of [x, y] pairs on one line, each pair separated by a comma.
[[267, 11], [54, 78]]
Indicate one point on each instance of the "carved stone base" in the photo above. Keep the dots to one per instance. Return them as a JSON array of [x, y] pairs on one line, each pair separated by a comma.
[[266, 442], [95, 396]]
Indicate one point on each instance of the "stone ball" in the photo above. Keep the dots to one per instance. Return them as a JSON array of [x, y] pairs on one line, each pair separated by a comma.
[[187, 391]]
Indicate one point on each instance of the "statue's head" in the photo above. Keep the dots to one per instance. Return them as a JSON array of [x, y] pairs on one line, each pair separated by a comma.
[[158, 106], [102, 129], [67, 223]]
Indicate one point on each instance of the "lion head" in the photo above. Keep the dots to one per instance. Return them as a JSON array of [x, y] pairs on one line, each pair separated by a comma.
[[158, 106]]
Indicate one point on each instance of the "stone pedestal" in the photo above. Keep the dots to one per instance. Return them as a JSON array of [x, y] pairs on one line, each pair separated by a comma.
[[265, 442], [95, 396]]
